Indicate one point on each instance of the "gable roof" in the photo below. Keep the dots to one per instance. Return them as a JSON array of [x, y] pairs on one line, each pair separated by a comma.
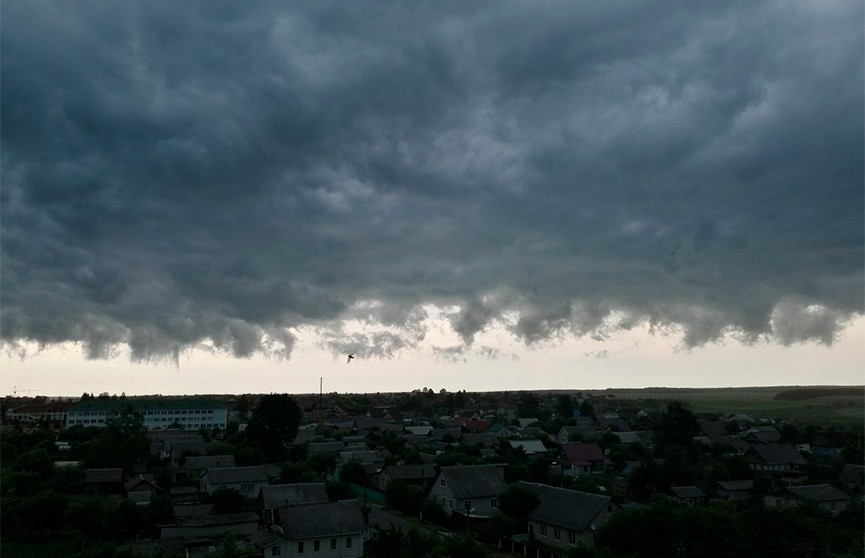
[[283, 495], [362, 455], [828, 440], [774, 454], [735, 486], [529, 446], [487, 439], [439, 433], [234, 475], [321, 520], [569, 509], [818, 493], [852, 474], [580, 453], [585, 432], [222, 519], [139, 482], [411, 472], [103, 475], [324, 447], [418, 430], [209, 461], [474, 481], [687, 492]]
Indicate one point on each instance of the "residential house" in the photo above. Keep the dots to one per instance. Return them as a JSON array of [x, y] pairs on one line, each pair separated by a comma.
[[469, 487], [323, 530], [575, 434], [184, 494], [740, 422], [487, 440], [447, 435], [274, 496], [852, 477], [418, 430], [246, 480], [640, 437], [532, 432], [179, 447], [688, 495], [195, 465], [827, 444], [103, 481], [524, 422], [530, 447], [583, 458], [473, 425], [363, 456], [615, 424], [209, 526], [314, 448], [780, 459], [502, 430], [564, 517], [735, 489], [192, 510], [761, 435], [826, 496], [422, 475], [713, 428], [140, 489]]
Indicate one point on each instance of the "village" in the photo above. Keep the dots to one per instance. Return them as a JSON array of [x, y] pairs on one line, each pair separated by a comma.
[[540, 474]]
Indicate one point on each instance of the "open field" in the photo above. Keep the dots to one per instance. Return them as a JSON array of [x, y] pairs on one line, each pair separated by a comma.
[[846, 410]]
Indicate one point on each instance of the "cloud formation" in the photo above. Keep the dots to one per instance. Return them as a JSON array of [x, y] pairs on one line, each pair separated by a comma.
[[229, 174]]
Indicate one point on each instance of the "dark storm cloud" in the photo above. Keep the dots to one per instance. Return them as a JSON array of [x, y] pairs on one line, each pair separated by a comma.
[[230, 173]]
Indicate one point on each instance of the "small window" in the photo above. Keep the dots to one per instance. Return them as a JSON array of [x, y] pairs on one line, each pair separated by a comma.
[[441, 481], [348, 542], [494, 502], [276, 551], [316, 546], [333, 544], [557, 534], [300, 547], [543, 530], [572, 538]]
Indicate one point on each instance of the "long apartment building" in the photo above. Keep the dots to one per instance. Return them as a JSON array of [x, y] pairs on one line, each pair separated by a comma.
[[191, 413]]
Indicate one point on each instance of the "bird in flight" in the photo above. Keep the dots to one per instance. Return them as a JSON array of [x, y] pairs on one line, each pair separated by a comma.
[[351, 356]]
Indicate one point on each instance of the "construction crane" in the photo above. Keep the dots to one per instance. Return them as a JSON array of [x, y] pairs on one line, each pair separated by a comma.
[[16, 391]]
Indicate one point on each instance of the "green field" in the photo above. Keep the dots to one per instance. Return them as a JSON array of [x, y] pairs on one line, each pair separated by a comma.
[[759, 402]]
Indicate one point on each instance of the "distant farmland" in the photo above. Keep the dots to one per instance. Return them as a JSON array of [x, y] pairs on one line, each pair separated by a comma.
[[829, 405]]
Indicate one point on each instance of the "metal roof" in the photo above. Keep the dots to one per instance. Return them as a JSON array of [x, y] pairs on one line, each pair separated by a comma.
[[321, 520]]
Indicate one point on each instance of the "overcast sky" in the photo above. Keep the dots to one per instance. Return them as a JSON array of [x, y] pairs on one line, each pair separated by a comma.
[[215, 196]]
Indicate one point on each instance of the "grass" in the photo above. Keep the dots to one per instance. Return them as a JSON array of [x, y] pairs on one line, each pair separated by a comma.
[[38, 547], [835, 410]]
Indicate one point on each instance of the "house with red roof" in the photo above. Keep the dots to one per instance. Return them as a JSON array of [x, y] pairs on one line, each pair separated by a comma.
[[583, 458], [472, 425]]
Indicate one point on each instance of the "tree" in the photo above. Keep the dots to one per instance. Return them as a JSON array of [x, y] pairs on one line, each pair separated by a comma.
[[124, 439], [463, 545], [518, 502], [274, 423], [565, 406], [677, 427]]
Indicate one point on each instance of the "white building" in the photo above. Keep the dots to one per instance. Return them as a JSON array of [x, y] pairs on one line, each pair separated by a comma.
[[191, 414]]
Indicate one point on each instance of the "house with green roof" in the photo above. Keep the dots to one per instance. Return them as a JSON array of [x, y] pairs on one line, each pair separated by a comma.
[[191, 413]]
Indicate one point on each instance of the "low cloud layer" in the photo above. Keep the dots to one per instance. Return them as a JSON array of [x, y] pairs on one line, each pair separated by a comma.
[[229, 174]]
